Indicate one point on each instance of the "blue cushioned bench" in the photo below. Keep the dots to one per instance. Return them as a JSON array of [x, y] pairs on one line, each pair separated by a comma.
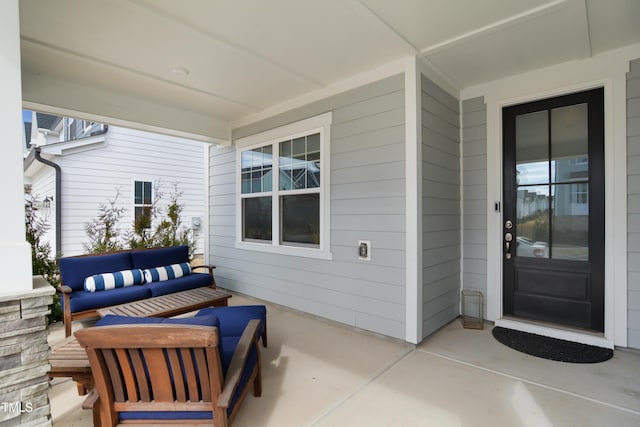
[[95, 281]]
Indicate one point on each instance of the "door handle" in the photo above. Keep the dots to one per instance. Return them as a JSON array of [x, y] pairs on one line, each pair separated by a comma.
[[507, 244]]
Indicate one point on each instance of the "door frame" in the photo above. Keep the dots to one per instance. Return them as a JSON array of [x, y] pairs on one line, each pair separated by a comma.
[[615, 310]]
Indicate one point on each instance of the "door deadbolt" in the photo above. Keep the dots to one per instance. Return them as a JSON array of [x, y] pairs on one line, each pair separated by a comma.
[[508, 225]]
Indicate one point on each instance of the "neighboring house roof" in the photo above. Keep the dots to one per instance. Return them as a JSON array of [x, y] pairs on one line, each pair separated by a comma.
[[47, 121]]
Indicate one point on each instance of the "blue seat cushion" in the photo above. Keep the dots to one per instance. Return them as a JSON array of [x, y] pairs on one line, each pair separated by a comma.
[[149, 258], [81, 301], [75, 269], [184, 283], [234, 319], [112, 319]]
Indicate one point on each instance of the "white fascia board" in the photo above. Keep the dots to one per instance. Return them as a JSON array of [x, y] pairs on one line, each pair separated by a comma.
[[35, 106], [533, 83], [76, 145]]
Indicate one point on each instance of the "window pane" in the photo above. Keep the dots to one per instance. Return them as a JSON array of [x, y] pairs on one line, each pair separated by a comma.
[[147, 193], [246, 182], [142, 217], [286, 162], [256, 218], [301, 219], [532, 148], [532, 210], [137, 186], [256, 170], [300, 163], [571, 222]]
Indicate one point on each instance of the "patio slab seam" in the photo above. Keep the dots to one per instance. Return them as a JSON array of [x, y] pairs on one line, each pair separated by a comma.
[[535, 383], [368, 381]]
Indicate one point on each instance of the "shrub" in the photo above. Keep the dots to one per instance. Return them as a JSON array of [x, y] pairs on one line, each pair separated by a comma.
[[103, 231], [43, 263], [169, 230]]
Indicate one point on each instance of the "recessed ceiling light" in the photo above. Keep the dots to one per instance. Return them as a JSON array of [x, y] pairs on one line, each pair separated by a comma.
[[180, 71]]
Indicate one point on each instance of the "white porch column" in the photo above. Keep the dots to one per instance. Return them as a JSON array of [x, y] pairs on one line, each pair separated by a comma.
[[413, 153], [15, 252]]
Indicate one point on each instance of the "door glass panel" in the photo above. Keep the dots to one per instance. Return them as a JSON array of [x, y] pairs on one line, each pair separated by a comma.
[[570, 222], [570, 143], [532, 211], [570, 150], [532, 148]]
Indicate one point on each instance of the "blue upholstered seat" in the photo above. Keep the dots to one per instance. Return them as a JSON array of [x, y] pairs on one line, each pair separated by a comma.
[[184, 283], [234, 319], [82, 300]]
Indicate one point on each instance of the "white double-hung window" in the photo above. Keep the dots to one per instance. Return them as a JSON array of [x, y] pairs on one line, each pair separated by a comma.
[[283, 189]]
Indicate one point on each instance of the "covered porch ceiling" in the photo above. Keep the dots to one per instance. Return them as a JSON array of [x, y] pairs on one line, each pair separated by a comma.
[[200, 67]]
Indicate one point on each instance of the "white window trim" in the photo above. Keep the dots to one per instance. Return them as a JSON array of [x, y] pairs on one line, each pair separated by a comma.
[[321, 124]]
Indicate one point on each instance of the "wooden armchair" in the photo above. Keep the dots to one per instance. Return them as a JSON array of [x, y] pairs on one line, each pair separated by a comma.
[[165, 373]]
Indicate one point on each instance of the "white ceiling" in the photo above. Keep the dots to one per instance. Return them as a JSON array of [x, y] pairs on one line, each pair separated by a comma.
[[116, 59]]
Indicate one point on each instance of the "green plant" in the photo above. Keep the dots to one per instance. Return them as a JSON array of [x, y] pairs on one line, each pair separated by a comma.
[[169, 230], [43, 263], [103, 231], [141, 235]]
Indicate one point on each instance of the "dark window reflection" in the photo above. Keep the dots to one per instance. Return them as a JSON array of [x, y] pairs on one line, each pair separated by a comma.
[[301, 219], [256, 217]]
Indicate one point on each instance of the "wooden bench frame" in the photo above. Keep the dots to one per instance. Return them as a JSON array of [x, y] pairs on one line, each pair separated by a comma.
[[116, 356]]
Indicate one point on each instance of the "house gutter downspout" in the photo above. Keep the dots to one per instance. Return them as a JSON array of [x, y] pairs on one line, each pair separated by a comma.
[[58, 198]]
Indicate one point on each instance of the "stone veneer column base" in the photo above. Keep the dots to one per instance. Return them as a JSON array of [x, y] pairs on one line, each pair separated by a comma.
[[24, 356]]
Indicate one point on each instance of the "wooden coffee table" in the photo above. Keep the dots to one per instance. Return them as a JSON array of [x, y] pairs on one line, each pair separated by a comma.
[[170, 304]]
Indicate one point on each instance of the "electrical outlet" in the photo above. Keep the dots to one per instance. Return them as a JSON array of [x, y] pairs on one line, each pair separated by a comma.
[[364, 250]]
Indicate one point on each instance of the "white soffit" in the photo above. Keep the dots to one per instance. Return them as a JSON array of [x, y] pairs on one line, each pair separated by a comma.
[[612, 27], [319, 41], [428, 24], [68, 67], [554, 36], [153, 45], [237, 60]]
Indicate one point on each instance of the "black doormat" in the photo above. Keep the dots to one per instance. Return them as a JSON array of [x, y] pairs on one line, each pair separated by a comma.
[[551, 348]]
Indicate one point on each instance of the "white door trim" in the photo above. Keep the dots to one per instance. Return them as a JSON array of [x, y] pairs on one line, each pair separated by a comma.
[[615, 214]]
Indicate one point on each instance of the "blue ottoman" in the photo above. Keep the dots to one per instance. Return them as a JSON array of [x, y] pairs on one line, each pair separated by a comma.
[[234, 319]]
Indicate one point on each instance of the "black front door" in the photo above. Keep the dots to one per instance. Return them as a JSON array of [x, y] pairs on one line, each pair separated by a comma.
[[553, 192]]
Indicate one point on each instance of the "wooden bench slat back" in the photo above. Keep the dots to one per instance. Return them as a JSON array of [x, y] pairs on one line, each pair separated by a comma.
[[155, 367]]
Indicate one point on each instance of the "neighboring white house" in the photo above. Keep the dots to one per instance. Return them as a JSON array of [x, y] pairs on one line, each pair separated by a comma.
[[97, 163]]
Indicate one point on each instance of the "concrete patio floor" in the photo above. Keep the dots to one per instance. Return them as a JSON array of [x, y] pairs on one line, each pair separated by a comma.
[[318, 373]]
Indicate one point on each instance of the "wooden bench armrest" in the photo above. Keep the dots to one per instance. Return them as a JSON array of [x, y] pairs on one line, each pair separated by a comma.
[[209, 267], [64, 289], [91, 400], [248, 339]]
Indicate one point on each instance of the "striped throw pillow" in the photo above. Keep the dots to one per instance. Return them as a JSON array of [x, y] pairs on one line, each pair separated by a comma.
[[118, 279], [167, 272]]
